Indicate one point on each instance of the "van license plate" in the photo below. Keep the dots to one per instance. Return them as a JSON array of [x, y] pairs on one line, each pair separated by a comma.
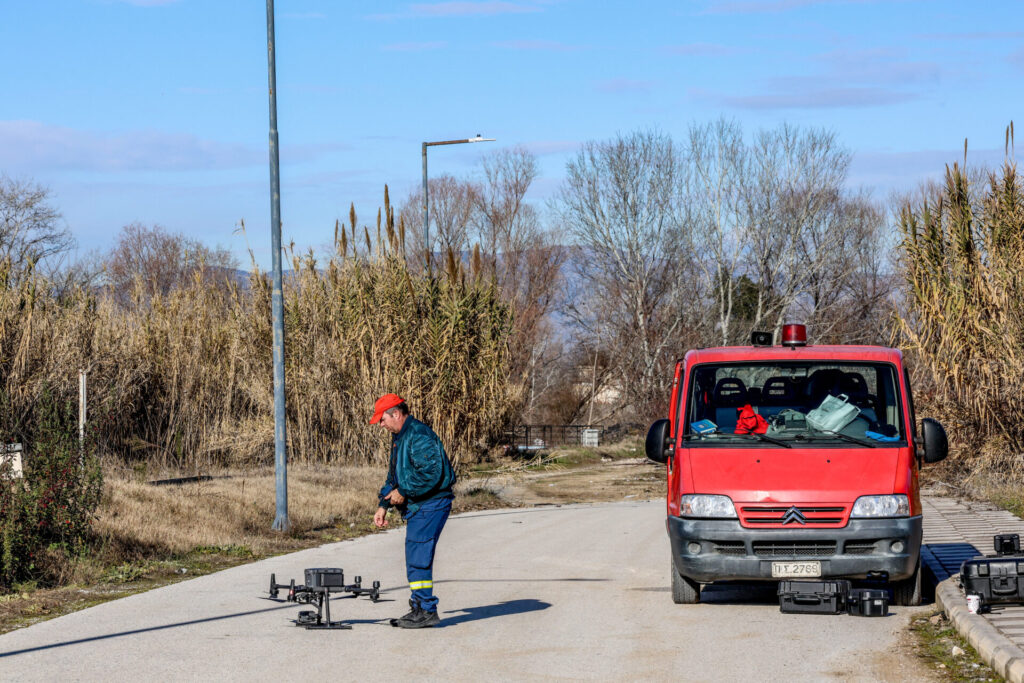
[[795, 570]]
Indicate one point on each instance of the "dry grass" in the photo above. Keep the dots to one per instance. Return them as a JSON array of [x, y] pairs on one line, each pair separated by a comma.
[[233, 512], [138, 520]]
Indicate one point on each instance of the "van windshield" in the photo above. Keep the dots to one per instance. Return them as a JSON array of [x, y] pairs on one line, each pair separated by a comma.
[[807, 401]]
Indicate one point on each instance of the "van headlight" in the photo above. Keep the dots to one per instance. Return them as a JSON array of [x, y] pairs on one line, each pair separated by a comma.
[[881, 506], [700, 505]]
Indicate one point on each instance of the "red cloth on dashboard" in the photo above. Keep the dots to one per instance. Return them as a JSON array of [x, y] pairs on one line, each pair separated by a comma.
[[750, 422]]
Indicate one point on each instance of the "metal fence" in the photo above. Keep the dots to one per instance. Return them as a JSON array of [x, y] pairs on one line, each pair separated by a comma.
[[537, 437]]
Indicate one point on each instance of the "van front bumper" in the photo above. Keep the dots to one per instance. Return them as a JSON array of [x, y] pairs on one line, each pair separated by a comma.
[[730, 552]]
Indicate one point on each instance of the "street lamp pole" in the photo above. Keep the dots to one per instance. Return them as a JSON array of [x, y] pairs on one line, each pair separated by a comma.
[[426, 200], [277, 297]]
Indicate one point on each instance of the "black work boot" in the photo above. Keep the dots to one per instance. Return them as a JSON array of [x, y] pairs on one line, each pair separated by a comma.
[[411, 614], [422, 619]]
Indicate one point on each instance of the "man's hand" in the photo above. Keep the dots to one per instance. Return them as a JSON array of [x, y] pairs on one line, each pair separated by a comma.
[[395, 498], [380, 519]]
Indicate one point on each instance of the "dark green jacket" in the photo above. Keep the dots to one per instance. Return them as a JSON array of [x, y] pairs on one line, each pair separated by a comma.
[[419, 468]]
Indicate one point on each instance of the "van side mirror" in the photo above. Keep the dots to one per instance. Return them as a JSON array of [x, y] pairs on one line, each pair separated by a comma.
[[657, 444], [934, 441]]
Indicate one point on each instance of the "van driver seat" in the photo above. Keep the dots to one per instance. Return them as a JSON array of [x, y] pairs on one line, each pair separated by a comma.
[[730, 393], [822, 383]]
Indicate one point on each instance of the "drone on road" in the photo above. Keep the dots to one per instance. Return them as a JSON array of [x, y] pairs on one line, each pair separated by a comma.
[[320, 583]]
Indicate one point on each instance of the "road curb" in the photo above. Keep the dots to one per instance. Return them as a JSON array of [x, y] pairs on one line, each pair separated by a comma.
[[998, 651]]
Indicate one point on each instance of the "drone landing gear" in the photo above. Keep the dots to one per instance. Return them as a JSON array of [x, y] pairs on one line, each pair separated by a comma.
[[321, 618]]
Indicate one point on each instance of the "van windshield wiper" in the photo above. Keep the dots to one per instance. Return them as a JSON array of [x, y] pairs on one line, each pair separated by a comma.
[[762, 437], [851, 439]]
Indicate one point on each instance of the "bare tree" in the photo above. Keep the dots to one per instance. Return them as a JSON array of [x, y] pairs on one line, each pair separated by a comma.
[[621, 201], [504, 221], [31, 230], [717, 194], [778, 235], [452, 206], [849, 294], [797, 217], [526, 260], [151, 261]]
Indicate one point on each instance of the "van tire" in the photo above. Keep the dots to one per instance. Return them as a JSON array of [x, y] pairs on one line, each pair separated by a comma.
[[907, 593], [685, 591]]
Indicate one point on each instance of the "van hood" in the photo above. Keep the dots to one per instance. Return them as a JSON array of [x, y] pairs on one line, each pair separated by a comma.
[[783, 475]]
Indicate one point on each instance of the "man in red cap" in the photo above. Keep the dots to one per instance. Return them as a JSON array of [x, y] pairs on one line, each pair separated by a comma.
[[419, 485]]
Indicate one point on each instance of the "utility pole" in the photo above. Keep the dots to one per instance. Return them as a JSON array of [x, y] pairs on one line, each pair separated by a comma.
[[277, 296]]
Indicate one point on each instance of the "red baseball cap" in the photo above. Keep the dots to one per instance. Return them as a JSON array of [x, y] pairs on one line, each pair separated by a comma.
[[385, 402]]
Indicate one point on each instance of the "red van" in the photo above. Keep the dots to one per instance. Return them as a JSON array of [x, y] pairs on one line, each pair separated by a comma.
[[794, 461]]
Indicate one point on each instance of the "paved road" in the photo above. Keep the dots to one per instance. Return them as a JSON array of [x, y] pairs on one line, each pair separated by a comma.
[[570, 593]]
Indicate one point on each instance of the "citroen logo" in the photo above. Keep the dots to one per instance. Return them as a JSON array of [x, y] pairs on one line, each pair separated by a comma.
[[794, 515]]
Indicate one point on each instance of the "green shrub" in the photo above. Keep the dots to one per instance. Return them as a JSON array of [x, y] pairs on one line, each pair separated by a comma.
[[46, 517]]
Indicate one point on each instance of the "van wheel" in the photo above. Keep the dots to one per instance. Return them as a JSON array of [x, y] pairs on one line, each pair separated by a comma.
[[685, 591], [908, 591]]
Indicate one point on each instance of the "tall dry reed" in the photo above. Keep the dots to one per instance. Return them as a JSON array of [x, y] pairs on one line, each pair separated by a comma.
[[963, 259], [184, 380]]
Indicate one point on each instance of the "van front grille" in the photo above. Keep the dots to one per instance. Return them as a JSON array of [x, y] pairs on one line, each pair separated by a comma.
[[792, 516], [729, 547], [794, 548], [859, 547]]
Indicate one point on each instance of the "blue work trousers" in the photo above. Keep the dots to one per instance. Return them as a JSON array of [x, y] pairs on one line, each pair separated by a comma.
[[421, 534]]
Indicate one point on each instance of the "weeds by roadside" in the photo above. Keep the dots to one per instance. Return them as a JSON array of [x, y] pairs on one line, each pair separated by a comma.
[[947, 653]]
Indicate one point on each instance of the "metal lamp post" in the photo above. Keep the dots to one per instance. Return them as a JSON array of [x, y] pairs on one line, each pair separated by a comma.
[[277, 296], [426, 202]]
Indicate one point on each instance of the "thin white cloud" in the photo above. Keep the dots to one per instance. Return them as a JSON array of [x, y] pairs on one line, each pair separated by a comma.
[[845, 79], [832, 98], [1017, 59], [877, 66], [32, 146], [902, 171]]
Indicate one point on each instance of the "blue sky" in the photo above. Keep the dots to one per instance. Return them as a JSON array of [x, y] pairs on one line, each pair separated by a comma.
[[156, 110]]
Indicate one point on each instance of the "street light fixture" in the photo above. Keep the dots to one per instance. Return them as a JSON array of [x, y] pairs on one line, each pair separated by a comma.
[[426, 201]]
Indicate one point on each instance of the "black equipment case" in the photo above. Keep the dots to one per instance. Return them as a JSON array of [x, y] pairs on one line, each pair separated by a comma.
[[814, 597], [869, 602], [1006, 544], [997, 580]]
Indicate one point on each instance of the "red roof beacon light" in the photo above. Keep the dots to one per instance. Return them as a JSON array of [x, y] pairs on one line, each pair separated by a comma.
[[794, 335]]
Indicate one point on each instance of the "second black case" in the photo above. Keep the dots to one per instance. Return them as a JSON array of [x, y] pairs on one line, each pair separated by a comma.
[[869, 602]]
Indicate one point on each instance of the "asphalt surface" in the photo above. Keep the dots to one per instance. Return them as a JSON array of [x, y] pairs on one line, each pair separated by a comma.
[[551, 593]]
